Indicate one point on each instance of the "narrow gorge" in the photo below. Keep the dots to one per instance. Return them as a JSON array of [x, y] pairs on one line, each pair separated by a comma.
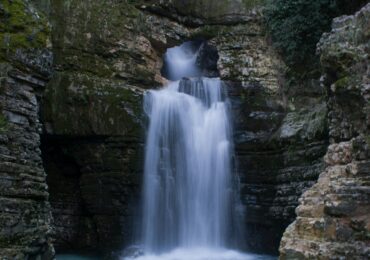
[[86, 122]]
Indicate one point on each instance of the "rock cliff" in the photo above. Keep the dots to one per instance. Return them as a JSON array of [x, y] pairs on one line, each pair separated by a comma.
[[92, 113], [72, 78], [93, 120], [25, 64], [333, 219]]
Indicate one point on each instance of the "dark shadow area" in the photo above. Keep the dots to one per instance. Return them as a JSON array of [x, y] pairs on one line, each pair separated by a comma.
[[273, 171], [350, 7], [74, 228], [94, 186]]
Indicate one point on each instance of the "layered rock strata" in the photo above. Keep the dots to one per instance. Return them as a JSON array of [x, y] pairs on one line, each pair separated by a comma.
[[280, 135], [25, 217], [93, 118], [106, 54], [333, 220]]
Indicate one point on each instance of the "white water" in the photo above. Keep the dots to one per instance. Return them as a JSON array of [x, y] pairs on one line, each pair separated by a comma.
[[187, 168], [203, 254], [181, 61], [188, 193]]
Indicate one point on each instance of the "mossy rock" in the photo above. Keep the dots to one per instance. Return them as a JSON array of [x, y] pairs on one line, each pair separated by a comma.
[[3, 124], [342, 83], [215, 11], [83, 105], [208, 31], [304, 125], [204, 12], [21, 27], [106, 44]]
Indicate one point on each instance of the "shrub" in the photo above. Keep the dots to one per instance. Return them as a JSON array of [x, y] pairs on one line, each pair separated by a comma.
[[297, 25]]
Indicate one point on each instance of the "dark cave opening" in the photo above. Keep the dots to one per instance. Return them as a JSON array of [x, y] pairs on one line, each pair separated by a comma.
[[74, 227], [94, 186]]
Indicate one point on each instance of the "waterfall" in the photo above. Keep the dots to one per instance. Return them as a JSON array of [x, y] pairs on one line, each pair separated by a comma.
[[188, 193], [187, 167]]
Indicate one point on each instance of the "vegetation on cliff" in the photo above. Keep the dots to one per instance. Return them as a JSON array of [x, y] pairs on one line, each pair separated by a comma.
[[297, 25], [20, 27]]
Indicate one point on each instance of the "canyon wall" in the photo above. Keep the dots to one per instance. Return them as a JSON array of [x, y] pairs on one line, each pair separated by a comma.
[[333, 220], [280, 134], [72, 80], [93, 119], [105, 56], [25, 66], [93, 122]]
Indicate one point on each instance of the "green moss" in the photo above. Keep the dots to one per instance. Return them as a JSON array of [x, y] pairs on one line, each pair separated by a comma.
[[342, 83], [3, 123], [362, 235], [20, 27], [249, 4], [291, 151], [207, 32], [97, 106], [367, 139]]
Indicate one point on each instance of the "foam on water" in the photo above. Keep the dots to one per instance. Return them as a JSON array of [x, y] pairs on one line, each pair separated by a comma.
[[203, 254]]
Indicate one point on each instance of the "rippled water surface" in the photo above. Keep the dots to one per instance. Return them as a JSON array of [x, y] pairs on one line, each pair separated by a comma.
[[76, 257]]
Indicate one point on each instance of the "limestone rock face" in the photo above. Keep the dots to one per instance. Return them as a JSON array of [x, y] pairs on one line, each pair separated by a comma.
[[107, 53], [87, 92], [246, 56], [94, 122], [202, 12], [280, 135], [25, 65], [92, 107], [333, 218]]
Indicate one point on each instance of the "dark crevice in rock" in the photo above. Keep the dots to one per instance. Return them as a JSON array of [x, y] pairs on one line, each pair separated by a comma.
[[207, 60], [74, 227]]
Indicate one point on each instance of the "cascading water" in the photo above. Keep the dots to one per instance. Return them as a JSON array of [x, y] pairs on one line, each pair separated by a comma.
[[188, 194], [187, 167]]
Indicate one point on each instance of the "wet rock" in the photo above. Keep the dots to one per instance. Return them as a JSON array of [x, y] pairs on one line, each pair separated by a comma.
[[133, 252]]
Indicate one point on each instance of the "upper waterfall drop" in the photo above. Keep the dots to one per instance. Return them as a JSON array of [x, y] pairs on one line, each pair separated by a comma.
[[181, 61]]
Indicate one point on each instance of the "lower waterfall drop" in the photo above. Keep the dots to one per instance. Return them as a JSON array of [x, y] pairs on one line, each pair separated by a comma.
[[187, 168]]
